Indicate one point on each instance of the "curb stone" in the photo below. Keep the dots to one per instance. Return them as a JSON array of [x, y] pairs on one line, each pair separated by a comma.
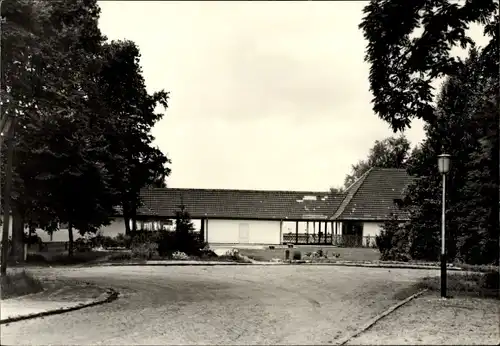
[[382, 265], [169, 264], [256, 263], [380, 316], [107, 297]]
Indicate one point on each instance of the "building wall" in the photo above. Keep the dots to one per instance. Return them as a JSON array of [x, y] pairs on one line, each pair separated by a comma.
[[371, 228], [117, 226], [228, 231]]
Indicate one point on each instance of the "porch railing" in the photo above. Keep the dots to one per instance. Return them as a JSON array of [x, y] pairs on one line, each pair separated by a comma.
[[341, 240]]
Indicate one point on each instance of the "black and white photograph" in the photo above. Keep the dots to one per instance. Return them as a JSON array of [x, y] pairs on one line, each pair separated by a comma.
[[249, 172]]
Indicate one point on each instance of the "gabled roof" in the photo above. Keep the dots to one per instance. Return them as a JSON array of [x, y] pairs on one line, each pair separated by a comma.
[[234, 204], [349, 193], [372, 196]]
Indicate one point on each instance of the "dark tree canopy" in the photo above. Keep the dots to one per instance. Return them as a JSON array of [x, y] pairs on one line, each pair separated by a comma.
[[391, 152], [465, 128], [403, 66], [83, 143]]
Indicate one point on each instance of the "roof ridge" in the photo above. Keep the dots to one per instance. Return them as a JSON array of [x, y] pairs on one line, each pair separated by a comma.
[[388, 169], [349, 196], [360, 178], [236, 190]]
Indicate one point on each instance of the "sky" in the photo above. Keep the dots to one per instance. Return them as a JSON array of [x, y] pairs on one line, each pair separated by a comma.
[[263, 95]]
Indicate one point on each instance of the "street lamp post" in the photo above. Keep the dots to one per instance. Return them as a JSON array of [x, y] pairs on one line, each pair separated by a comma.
[[444, 168]]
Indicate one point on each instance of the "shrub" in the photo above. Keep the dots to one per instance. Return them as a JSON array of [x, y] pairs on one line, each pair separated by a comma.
[[123, 256], [108, 242], [232, 253], [179, 256], [187, 242], [143, 237], [490, 280], [123, 240], [144, 250], [234, 257], [32, 240], [287, 254], [468, 283], [207, 253], [297, 255], [166, 243], [392, 242], [35, 258], [83, 245]]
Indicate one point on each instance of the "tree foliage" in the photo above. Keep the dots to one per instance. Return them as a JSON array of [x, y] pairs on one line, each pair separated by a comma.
[[82, 143], [403, 64], [392, 152], [136, 163], [392, 241], [462, 122], [464, 128]]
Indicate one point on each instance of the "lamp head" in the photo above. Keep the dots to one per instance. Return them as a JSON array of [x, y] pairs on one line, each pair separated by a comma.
[[444, 163]]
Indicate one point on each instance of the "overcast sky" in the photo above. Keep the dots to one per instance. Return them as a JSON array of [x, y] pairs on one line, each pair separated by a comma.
[[264, 95]]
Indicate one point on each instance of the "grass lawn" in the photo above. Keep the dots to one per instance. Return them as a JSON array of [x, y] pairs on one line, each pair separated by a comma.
[[430, 320], [466, 284], [17, 284], [61, 258], [346, 254], [57, 258]]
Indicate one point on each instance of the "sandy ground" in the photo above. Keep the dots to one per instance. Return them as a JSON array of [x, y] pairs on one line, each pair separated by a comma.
[[429, 320], [58, 294], [221, 305]]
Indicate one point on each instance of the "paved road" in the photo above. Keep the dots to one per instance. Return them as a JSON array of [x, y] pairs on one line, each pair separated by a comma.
[[221, 305]]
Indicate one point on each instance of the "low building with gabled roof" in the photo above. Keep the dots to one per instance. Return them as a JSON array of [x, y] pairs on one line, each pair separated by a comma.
[[228, 216], [222, 216]]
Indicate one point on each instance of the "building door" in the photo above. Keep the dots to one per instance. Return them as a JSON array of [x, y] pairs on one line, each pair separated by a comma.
[[244, 233]]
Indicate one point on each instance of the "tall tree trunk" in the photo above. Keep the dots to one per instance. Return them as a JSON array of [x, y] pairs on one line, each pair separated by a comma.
[[126, 217], [6, 208], [31, 232], [70, 240], [17, 251], [127, 225], [133, 217]]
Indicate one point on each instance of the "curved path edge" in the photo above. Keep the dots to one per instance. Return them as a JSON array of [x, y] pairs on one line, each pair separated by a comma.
[[107, 297], [256, 263], [380, 316]]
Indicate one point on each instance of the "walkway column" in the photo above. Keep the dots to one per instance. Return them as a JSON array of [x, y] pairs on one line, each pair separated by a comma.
[[281, 232], [296, 232], [202, 230]]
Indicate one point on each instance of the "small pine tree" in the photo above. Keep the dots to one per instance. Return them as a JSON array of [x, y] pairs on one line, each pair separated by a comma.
[[183, 223], [183, 239]]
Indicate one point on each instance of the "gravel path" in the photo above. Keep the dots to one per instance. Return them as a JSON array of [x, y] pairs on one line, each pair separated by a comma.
[[430, 320], [221, 305]]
